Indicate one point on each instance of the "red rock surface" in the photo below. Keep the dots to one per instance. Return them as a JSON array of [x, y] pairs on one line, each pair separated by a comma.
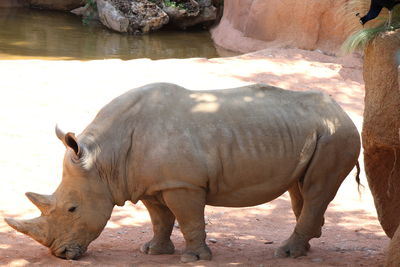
[[250, 25]]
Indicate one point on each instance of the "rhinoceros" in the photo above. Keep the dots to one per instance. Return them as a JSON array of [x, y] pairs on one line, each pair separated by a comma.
[[178, 150]]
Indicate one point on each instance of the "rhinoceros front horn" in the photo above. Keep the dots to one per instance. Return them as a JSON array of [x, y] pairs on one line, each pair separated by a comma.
[[43, 202], [34, 228]]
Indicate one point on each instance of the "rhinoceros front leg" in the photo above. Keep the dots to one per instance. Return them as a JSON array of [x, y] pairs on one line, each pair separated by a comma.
[[188, 207], [163, 222]]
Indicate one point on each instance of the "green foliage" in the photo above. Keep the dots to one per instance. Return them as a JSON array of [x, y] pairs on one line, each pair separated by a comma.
[[91, 3], [174, 4], [360, 38], [92, 11]]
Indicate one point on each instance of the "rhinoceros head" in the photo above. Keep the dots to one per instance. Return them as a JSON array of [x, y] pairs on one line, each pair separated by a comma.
[[76, 213]]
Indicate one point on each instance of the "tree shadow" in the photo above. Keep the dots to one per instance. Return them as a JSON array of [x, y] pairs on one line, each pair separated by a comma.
[[341, 85], [240, 236]]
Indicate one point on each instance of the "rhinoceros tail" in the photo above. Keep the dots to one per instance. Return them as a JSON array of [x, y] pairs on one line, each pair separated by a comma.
[[359, 184]]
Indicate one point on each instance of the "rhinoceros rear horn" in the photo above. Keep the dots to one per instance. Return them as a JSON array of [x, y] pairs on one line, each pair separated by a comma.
[[43, 202], [33, 228]]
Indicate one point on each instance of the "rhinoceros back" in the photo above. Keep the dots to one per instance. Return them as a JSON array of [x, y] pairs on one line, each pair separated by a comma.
[[253, 140]]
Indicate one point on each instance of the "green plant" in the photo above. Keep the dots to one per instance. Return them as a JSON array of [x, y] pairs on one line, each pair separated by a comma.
[[170, 3], [91, 7], [359, 38], [91, 3]]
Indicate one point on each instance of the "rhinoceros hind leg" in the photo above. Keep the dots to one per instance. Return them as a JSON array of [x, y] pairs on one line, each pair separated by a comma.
[[296, 199], [320, 184], [203, 253], [163, 221], [188, 207]]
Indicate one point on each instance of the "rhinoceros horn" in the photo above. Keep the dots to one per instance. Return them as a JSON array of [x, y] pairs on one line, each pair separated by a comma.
[[34, 228], [43, 202]]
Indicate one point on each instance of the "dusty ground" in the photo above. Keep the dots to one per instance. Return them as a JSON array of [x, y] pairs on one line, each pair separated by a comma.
[[35, 94]]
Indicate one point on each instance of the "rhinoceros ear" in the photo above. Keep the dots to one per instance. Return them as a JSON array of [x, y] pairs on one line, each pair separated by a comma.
[[72, 142], [69, 140], [60, 134]]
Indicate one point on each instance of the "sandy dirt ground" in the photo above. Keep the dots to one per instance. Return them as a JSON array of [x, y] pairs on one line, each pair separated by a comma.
[[37, 94]]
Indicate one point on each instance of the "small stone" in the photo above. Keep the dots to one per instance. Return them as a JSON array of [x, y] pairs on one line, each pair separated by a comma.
[[268, 242], [317, 260], [212, 240]]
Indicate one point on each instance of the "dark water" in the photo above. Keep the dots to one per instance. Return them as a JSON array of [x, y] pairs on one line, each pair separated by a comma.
[[26, 33]]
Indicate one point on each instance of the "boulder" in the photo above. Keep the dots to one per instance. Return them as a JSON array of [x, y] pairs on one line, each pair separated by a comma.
[[64, 5], [137, 17], [189, 13], [393, 255], [249, 25], [381, 126]]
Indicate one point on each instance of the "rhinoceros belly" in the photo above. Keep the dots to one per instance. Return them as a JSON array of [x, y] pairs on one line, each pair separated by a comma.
[[246, 196]]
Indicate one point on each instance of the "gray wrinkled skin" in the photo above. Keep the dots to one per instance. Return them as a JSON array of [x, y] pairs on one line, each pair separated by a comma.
[[178, 150]]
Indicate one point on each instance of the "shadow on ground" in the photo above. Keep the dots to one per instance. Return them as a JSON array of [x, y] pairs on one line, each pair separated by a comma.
[[244, 237]]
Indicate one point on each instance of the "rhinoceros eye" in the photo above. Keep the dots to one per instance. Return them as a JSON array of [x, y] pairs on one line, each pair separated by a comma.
[[72, 209]]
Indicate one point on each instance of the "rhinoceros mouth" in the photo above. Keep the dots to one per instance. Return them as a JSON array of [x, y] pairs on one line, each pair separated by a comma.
[[69, 252]]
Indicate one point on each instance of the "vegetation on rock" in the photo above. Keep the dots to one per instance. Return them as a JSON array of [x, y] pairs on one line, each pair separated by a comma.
[[180, 13], [359, 38]]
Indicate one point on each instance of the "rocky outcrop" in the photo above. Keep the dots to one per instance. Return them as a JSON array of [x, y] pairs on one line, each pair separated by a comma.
[[381, 127], [137, 17], [64, 5], [249, 25], [142, 16], [191, 13]]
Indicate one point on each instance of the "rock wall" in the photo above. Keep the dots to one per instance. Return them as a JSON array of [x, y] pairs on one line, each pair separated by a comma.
[[249, 25], [393, 255], [381, 128]]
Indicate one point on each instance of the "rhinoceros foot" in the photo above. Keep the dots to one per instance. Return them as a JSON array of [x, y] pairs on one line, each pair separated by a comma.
[[156, 247], [201, 253], [293, 247]]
